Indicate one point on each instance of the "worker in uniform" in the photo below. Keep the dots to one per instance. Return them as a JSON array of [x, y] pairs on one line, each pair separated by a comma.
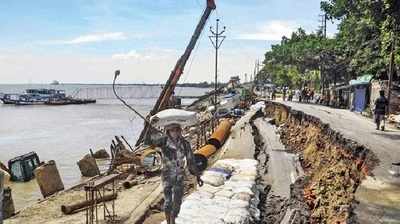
[[175, 151], [381, 106]]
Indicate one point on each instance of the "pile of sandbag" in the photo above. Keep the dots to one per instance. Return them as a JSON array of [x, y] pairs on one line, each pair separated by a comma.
[[228, 196]]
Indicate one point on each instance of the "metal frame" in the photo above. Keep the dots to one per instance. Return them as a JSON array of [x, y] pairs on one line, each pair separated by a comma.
[[94, 193]]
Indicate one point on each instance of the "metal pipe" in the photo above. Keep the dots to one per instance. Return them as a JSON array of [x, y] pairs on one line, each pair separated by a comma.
[[130, 181], [201, 156], [69, 209]]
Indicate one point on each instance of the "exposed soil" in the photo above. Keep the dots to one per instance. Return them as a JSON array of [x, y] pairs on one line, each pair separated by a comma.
[[334, 166], [273, 208]]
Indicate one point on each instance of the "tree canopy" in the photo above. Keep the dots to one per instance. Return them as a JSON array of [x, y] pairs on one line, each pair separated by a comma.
[[361, 46]]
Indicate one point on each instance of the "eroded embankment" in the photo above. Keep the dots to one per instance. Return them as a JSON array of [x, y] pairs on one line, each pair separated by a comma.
[[334, 166]]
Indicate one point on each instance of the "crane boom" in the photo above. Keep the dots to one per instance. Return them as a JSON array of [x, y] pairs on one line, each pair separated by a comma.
[[179, 67]]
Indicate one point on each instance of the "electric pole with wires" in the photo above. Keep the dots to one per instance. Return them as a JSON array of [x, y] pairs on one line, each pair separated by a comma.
[[216, 40]]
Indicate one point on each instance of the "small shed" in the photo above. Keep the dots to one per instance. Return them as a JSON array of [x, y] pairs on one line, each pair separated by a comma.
[[360, 91], [343, 94]]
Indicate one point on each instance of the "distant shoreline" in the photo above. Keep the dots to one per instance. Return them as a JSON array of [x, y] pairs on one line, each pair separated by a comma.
[[197, 85]]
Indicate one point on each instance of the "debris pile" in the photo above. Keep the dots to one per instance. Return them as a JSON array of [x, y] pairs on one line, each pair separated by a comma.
[[229, 195]]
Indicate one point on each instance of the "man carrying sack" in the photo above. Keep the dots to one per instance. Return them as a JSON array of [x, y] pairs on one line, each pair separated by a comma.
[[175, 151]]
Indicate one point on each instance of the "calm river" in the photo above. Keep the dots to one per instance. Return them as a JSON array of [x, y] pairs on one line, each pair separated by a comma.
[[65, 133]]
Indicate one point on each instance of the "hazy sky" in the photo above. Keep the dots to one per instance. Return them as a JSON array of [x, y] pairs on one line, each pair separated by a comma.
[[86, 40]]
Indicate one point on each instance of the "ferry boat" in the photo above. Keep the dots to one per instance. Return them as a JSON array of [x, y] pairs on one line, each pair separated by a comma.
[[42, 97], [10, 98], [33, 96]]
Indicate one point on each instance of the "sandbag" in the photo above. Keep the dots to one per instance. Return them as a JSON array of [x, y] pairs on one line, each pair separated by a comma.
[[237, 216], [213, 178], [224, 194], [174, 116]]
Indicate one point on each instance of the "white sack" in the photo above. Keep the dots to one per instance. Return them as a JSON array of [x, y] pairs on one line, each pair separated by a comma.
[[213, 178], [174, 116]]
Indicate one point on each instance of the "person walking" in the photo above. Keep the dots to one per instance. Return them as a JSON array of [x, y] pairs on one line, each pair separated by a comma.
[[381, 107], [273, 96], [284, 93], [175, 151]]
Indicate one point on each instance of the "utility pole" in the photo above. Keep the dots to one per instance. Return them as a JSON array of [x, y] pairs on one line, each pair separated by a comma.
[[256, 71], [391, 64], [216, 40], [322, 28], [323, 19]]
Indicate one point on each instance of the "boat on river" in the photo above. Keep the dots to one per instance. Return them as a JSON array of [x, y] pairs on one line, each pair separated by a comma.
[[42, 97]]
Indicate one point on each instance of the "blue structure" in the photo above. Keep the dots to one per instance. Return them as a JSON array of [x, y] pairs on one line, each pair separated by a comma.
[[361, 91]]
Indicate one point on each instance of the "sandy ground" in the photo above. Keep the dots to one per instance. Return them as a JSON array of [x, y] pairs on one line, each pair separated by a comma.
[[49, 211]]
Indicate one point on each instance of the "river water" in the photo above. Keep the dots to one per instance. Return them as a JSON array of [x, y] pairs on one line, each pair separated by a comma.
[[66, 133]]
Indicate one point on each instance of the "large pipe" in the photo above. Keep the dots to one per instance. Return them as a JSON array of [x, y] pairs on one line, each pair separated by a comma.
[[215, 142], [201, 156], [207, 150], [69, 209], [220, 134], [130, 181]]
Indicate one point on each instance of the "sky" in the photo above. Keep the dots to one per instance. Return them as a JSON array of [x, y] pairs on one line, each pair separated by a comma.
[[85, 41]]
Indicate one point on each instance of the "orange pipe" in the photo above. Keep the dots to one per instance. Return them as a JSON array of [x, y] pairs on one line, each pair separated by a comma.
[[215, 142], [206, 150], [220, 134]]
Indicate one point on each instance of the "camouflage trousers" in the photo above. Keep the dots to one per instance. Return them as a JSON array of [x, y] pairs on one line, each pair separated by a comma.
[[173, 192]]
